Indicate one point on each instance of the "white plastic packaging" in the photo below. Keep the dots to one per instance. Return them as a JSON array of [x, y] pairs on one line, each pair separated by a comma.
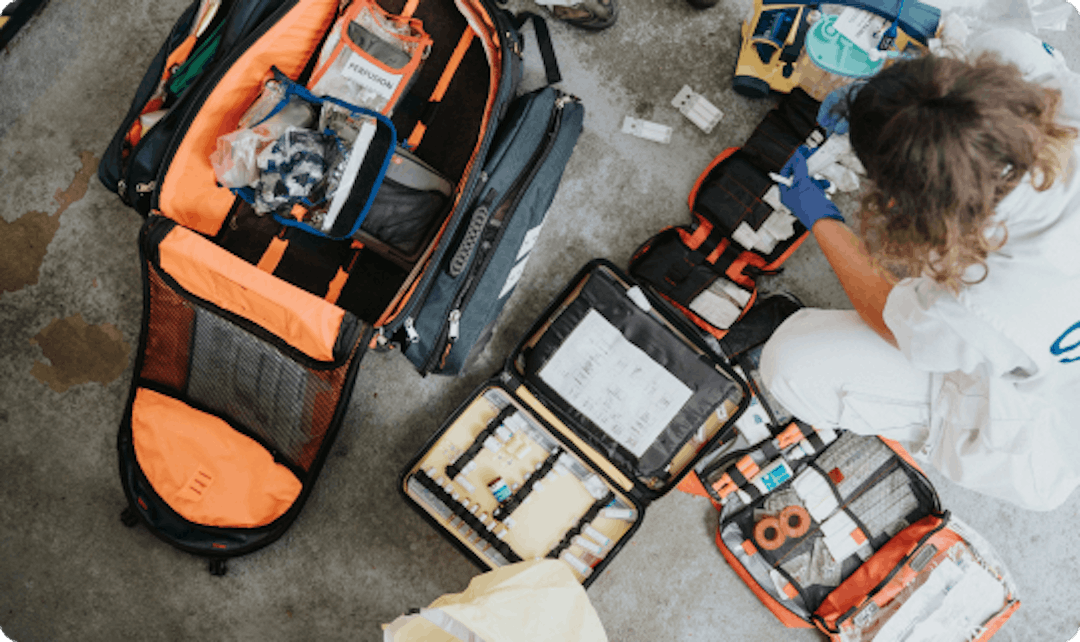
[[694, 106], [647, 130]]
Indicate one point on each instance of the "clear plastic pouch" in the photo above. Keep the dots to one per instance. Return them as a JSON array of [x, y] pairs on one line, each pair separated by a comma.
[[308, 176], [266, 121], [370, 57]]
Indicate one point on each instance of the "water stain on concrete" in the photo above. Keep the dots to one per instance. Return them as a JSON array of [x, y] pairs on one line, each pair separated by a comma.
[[27, 238], [79, 353]]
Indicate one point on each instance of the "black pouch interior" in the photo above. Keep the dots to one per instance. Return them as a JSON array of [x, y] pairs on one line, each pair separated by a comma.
[[731, 195], [412, 197]]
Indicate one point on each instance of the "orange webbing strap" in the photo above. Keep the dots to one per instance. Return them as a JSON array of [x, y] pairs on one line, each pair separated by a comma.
[[272, 256], [444, 82], [410, 8], [333, 291]]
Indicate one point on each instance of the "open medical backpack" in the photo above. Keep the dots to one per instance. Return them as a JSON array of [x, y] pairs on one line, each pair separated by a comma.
[[254, 322]]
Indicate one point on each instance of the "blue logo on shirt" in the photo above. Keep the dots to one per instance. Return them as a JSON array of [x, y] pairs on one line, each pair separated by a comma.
[[1056, 349]]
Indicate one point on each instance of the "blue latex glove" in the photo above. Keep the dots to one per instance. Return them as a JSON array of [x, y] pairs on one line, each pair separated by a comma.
[[834, 121], [806, 197]]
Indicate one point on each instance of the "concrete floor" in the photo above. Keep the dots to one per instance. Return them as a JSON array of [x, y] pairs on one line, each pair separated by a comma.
[[70, 304]]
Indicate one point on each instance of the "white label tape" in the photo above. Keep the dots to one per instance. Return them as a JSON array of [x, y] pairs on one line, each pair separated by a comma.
[[647, 130], [370, 76]]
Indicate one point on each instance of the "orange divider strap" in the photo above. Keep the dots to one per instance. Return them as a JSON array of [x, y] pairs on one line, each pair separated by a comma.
[[333, 291], [272, 256], [410, 8], [444, 82]]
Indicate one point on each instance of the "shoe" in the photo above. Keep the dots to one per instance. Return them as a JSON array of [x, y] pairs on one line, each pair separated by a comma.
[[703, 4], [593, 15]]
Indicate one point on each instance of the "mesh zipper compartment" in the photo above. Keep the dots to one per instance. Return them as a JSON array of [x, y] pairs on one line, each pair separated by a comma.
[[224, 413]]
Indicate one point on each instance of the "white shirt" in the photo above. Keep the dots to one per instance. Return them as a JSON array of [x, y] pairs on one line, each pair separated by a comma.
[[1005, 352]]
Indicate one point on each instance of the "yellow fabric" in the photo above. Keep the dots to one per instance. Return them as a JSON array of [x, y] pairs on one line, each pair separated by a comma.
[[537, 601]]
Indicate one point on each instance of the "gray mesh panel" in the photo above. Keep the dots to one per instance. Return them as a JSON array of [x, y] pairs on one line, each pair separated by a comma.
[[254, 384]]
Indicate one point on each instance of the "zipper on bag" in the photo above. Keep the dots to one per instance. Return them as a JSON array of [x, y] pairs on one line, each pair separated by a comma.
[[211, 83], [489, 239]]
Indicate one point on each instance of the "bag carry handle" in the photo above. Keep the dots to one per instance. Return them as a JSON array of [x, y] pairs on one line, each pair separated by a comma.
[[543, 42]]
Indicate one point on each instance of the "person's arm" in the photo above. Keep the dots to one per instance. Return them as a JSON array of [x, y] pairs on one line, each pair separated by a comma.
[[866, 285]]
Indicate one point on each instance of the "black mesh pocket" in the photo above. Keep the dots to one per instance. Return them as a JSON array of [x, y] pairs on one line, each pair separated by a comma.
[[219, 366], [402, 217], [238, 376]]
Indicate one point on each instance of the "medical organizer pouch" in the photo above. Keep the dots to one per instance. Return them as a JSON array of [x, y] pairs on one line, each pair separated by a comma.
[[842, 531], [739, 230], [241, 383], [370, 57], [466, 146], [607, 402]]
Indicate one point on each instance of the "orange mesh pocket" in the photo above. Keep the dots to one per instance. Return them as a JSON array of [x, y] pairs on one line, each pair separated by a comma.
[[204, 469]]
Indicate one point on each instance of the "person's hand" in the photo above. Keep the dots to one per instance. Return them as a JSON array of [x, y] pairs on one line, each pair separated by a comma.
[[805, 197]]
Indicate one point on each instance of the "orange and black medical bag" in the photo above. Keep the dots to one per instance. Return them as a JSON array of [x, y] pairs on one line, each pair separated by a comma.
[[841, 531], [259, 304], [240, 386], [739, 229]]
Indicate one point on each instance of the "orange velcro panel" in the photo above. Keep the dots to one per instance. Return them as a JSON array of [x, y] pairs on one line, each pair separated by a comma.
[[853, 591], [189, 192], [303, 320], [204, 469]]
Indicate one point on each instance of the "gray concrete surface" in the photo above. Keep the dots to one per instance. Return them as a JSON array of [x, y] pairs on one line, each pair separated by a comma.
[[357, 556]]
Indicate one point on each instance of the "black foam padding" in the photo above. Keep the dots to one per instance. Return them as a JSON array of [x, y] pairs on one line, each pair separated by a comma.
[[454, 128], [759, 323], [373, 283]]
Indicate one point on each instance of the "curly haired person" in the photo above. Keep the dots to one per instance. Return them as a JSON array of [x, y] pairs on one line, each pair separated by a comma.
[[964, 343]]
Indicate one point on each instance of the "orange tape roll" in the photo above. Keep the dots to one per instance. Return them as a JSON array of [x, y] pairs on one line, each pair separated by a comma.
[[769, 534], [794, 521]]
